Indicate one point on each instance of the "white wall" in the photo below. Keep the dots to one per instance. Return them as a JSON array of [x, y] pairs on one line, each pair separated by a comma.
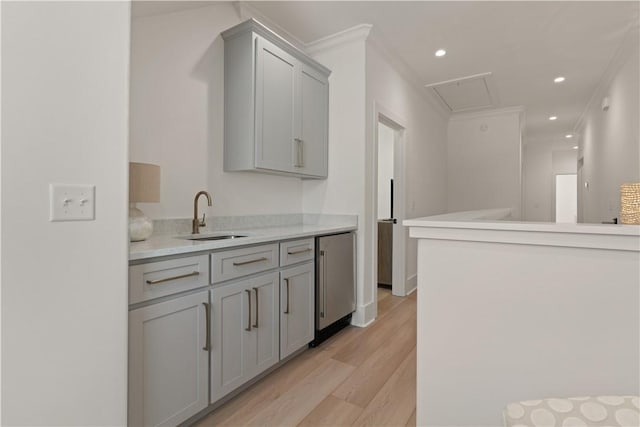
[[484, 161], [177, 118], [65, 77], [562, 319], [342, 192], [393, 89], [610, 140], [385, 170]]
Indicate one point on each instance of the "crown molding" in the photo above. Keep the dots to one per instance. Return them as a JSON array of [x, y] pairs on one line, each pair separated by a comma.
[[246, 11], [629, 43], [353, 34], [401, 67]]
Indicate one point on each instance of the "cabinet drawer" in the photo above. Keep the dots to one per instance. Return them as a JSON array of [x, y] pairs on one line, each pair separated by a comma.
[[161, 278], [228, 265], [296, 251]]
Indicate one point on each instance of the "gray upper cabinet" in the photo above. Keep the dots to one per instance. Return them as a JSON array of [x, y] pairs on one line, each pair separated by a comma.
[[276, 105]]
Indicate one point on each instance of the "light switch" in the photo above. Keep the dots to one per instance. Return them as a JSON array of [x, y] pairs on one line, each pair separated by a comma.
[[71, 202]]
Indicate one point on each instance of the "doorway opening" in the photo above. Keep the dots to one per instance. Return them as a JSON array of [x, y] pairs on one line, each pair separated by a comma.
[[566, 187], [390, 209]]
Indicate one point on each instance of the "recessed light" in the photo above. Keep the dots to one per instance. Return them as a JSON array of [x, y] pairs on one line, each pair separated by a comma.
[[575, 147], [553, 118], [569, 135], [558, 79], [441, 52]]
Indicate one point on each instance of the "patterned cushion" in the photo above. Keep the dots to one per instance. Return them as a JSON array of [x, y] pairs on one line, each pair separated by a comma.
[[574, 412]]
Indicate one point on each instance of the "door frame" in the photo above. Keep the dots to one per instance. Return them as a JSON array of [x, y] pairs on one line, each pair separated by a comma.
[[398, 279]]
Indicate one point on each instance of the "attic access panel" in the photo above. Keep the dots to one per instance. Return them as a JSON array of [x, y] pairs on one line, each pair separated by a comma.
[[466, 93]]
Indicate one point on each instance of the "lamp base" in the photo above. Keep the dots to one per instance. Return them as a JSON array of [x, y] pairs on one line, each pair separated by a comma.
[[140, 227]]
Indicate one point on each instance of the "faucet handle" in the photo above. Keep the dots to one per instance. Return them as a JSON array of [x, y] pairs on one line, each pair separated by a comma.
[[202, 223]]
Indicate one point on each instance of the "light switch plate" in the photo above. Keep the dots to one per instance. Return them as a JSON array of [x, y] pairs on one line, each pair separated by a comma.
[[71, 202]]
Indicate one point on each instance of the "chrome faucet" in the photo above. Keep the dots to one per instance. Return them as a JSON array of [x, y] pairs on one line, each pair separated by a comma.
[[196, 224]]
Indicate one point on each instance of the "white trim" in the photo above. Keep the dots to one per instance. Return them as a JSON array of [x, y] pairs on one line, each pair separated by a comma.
[[620, 58], [246, 11], [486, 113], [400, 66], [393, 120], [412, 284], [365, 314], [353, 34]]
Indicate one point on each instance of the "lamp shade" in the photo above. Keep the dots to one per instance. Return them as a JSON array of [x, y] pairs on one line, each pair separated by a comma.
[[630, 203], [144, 183]]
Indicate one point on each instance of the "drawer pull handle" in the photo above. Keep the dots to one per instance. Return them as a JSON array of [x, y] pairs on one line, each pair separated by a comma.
[[255, 325], [168, 279], [248, 328], [299, 251], [286, 282], [251, 261], [207, 312]]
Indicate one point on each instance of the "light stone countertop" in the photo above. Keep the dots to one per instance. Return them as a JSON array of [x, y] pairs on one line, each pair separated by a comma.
[[159, 245]]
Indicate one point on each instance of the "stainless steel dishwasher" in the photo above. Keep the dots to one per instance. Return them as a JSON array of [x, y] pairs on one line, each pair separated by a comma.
[[335, 284]]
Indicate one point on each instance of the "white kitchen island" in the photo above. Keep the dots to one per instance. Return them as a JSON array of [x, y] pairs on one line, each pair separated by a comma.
[[511, 311]]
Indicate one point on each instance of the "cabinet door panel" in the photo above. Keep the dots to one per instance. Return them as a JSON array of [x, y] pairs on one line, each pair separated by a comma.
[[275, 103], [229, 343], [168, 367], [314, 121], [296, 308], [266, 333]]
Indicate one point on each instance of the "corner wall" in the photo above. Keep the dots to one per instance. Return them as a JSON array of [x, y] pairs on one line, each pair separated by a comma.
[[65, 72]]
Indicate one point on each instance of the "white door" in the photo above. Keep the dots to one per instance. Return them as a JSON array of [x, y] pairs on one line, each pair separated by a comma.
[[297, 302], [566, 198], [314, 93], [276, 81], [168, 361]]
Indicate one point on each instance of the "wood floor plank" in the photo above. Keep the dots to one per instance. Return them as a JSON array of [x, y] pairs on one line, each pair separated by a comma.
[[299, 401], [358, 349], [373, 373], [412, 420], [387, 304], [332, 412], [396, 401], [301, 390]]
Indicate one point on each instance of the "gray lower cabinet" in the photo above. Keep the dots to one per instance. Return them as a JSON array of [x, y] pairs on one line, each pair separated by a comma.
[[244, 331], [168, 361], [296, 308]]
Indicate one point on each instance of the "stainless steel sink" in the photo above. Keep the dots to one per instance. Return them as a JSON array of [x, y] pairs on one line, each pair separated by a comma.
[[215, 237]]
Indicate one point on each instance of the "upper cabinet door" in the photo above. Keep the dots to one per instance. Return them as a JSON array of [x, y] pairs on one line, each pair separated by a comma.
[[276, 81], [275, 105], [313, 119]]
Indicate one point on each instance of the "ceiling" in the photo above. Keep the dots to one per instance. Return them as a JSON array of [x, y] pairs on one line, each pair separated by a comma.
[[524, 45]]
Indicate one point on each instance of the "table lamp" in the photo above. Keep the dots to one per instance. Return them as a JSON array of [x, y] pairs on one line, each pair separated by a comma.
[[144, 187], [630, 203]]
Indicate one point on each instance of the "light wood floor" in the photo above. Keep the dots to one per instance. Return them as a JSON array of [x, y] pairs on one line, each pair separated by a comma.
[[359, 377]]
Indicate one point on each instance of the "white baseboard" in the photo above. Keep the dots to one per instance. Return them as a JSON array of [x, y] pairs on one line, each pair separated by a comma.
[[412, 284], [364, 315]]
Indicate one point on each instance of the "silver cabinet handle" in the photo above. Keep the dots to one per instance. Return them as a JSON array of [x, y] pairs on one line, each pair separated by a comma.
[[324, 285], [299, 251], [207, 313], [251, 261], [168, 279], [248, 328], [255, 325], [286, 282]]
